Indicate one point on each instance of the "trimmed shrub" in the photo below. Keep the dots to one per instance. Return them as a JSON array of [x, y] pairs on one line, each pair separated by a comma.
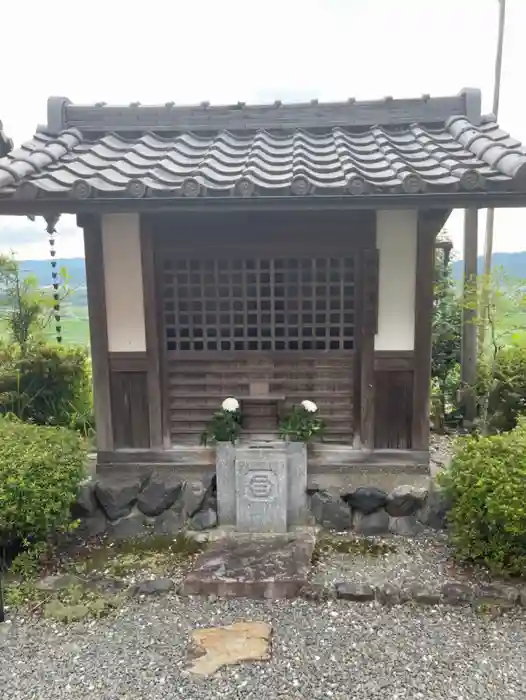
[[507, 396], [40, 472], [47, 385], [486, 487]]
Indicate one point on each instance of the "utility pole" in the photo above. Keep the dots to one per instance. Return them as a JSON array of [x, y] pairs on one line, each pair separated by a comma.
[[490, 221]]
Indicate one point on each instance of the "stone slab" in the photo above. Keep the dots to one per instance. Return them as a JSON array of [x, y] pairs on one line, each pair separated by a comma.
[[213, 648], [258, 567], [261, 490], [297, 504], [226, 483], [351, 477]]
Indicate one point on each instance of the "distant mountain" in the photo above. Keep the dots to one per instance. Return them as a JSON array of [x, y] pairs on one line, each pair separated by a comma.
[[42, 269], [514, 264], [75, 268]]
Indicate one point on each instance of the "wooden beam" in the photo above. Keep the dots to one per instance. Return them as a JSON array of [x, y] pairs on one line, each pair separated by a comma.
[[368, 296], [178, 205], [424, 294], [98, 328], [468, 363], [152, 336]]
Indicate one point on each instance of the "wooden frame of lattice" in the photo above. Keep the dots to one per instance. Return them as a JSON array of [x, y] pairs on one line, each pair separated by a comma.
[[259, 304]]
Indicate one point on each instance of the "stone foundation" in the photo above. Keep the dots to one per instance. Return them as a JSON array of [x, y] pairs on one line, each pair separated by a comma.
[[126, 506], [121, 505], [368, 510]]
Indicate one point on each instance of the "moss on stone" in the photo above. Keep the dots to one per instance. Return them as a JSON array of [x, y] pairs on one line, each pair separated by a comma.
[[327, 545]]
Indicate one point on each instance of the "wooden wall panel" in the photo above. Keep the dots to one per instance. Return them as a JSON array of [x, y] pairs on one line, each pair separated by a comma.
[[197, 383], [393, 409], [129, 408]]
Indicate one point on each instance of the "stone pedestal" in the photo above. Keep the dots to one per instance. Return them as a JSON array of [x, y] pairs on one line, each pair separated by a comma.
[[262, 487]]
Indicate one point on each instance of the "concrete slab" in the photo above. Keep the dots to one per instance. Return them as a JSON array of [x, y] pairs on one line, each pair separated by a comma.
[[253, 566]]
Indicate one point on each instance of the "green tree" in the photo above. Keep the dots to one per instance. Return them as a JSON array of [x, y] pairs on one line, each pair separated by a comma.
[[501, 360], [25, 307], [446, 339]]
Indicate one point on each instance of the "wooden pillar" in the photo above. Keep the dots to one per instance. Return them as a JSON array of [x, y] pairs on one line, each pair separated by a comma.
[[98, 330], [368, 326], [424, 294], [468, 364], [152, 337]]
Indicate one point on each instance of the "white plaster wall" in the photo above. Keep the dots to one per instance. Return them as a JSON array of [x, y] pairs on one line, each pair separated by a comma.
[[121, 245], [396, 240]]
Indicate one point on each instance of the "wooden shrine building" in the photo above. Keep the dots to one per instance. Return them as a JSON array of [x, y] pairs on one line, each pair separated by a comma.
[[272, 253]]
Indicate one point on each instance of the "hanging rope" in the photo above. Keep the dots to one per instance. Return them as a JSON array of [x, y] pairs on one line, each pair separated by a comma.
[[51, 222]]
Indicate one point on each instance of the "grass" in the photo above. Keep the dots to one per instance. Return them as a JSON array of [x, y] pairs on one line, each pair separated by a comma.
[[156, 554], [327, 545], [74, 322], [95, 578]]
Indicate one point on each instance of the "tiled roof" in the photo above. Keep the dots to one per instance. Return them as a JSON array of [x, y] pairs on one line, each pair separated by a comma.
[[327, 149]]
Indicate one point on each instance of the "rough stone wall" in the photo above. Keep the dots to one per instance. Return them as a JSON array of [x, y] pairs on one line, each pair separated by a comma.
[[125, 506], [368, 510]]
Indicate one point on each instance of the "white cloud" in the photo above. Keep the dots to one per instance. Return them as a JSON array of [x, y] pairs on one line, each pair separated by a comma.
[[259, 51]]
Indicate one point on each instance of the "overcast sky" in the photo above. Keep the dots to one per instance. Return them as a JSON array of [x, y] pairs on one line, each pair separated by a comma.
[[229, 50]]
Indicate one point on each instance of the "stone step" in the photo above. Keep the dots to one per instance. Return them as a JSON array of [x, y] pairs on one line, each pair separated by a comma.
[[253, 566]]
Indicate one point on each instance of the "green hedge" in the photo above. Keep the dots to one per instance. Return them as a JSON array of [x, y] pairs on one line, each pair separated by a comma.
[[507, 400], [40, 472], [486, 485], [47, 385]]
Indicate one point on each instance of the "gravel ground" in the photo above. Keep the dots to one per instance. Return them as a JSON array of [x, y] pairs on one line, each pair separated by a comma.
[[440, 451], [425, 560], [331, 650]]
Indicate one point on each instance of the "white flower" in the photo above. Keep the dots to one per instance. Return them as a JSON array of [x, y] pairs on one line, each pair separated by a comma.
[[230, 405], [309, 406]]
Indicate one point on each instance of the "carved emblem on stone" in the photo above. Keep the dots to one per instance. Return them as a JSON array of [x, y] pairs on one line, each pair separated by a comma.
[[260, 485]]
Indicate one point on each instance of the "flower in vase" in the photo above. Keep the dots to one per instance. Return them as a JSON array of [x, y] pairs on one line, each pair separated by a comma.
[[230, 405]]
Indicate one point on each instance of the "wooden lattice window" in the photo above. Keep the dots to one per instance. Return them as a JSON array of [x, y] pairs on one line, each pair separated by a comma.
[[259, 304]]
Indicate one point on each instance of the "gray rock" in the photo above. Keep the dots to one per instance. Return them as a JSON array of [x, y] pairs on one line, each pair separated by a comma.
[[169, 523], [388, 594], [522, 597], [425, 595], [359, 592], [193, 495], [330, 511], [406, 525], [159, 494], [94, 525], [366, 499], [433, 512], [156, 586], [131, 526], [86, 503], [57, 582], [457, 594], [405, 500], [317, 592], [376, 523], [203, 520], [117, 494], [105, 584], [498, 594]]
